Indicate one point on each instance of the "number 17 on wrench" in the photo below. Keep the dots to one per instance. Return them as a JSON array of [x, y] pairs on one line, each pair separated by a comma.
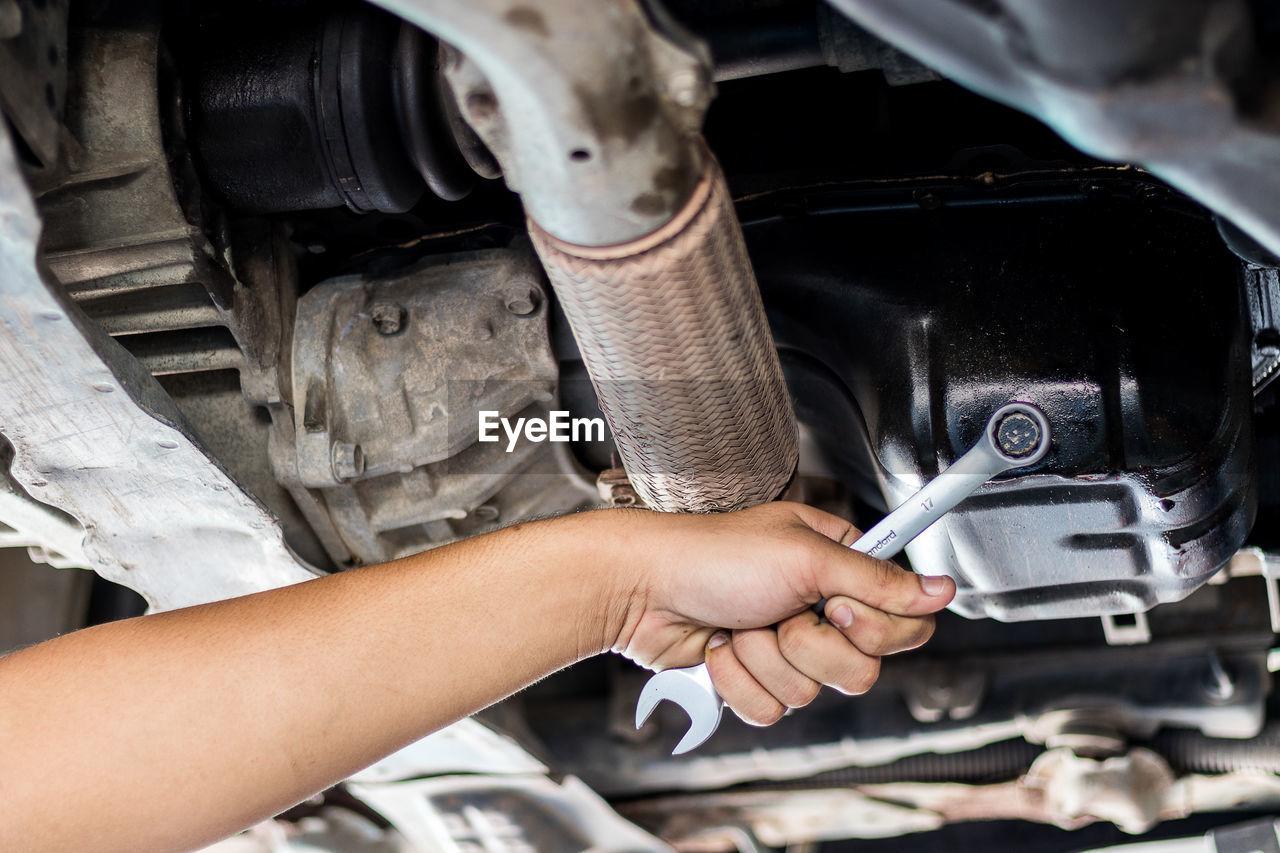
[[1016, 436]]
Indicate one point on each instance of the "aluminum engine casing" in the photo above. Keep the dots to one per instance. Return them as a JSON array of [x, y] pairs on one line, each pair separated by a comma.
[[397, 362], [1123, 320]]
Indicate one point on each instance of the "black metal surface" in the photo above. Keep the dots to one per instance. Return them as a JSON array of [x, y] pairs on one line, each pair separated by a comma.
[[996, 762], [1186, 750], [358, 101], [996, 680], [1122, 319], [1132, 691], [422, 102], [1182, 88], [1009, 836], [1192, 752], [324, 108]]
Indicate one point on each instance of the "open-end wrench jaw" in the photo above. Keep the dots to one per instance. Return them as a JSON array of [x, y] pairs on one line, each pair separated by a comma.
[[691, 689]]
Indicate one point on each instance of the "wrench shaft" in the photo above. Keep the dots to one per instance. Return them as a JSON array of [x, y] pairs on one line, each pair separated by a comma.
[[938, 497]]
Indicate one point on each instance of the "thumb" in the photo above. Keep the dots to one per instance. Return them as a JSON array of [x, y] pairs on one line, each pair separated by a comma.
[[879, 583]]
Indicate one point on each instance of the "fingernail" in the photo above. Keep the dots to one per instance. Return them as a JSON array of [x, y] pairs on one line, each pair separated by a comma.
[[718, 639], [933, 584], [842, 616]]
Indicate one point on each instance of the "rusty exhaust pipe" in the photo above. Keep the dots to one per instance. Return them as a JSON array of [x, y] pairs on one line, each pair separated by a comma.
[[592, 107], [674, 336]]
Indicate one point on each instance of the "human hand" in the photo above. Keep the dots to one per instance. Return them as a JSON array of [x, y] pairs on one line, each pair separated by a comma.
[[736, 590]]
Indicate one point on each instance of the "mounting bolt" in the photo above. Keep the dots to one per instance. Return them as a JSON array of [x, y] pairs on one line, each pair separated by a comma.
[[348, 460], [524, 304], [1018, 435], [388, 318]]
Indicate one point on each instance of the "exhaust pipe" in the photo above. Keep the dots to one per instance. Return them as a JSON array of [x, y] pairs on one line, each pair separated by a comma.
[[592, 107], [675, 339]]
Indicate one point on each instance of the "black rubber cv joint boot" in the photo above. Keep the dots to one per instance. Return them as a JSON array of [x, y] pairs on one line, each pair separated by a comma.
[[307, 114]]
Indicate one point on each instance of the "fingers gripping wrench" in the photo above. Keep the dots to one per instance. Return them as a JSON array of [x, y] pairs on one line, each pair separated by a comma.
[[1016, 436]]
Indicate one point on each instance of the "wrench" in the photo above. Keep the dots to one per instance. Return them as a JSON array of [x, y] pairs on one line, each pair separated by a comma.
[[1017, 435]]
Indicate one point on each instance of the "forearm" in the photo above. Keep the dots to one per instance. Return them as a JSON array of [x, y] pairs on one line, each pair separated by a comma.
[[170, 731], [211, 718]]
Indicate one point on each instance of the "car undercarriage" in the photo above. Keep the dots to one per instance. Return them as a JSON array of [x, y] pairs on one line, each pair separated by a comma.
[[291, 288]]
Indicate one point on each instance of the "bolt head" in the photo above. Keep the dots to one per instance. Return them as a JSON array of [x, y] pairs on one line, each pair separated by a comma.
[[1018, 435], [388, 318], [348, 460], [524, 303]]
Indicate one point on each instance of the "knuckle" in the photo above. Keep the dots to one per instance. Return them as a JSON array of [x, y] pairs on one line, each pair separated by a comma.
[[745, 642], [791, 638], [761, 713], [924, 632], [771, 716], [887, 576], [802, 693], [874, 636], [849, 534], [862, 678]]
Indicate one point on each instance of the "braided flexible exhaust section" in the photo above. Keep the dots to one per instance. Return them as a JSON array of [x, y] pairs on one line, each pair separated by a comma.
[[674, 336]]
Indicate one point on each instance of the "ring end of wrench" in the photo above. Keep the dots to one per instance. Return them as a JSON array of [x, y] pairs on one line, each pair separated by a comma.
[[1038, 436]]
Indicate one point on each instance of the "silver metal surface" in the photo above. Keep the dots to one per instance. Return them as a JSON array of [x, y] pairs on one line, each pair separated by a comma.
[[591, 109], [33, 78], [1130, 629], [503, 813], [127, 254], [691, 687], [95, 435], [386, 423], [49, 535], [118, 236], [1098, 541], [412, 398]]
